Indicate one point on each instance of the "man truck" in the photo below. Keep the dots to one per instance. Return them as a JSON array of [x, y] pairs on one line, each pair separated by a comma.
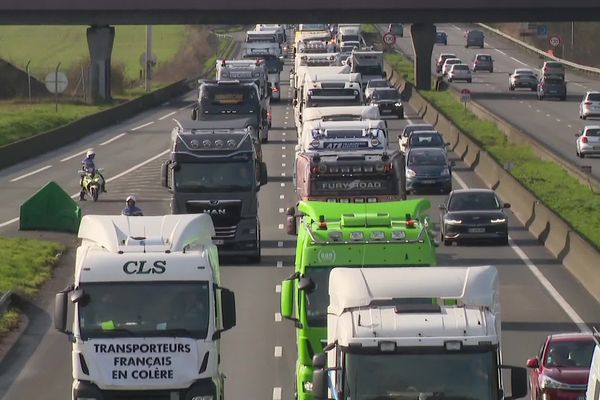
[[145, 311]]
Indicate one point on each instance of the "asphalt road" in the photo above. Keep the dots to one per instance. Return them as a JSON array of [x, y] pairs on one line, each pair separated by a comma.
[[258, 356], [551, 121]]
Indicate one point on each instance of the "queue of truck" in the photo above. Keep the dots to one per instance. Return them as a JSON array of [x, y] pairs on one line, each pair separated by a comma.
[[366, 296]]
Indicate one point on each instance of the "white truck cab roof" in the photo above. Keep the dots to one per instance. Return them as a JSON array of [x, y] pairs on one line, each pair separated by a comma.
[[341, 113], [344, 135]]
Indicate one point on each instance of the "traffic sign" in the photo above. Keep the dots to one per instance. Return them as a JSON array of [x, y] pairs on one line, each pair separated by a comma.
[[465, 95], [389, 38], [56, 82], [554, 40], [542, 31]]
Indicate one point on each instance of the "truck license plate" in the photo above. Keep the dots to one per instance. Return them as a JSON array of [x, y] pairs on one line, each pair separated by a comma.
[[218, 241], [476, 230]]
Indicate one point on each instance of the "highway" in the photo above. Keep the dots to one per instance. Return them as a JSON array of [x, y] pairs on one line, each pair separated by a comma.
[[551, 121], [538, 295]]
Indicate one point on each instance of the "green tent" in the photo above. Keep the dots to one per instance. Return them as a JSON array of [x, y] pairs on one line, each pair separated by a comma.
[[50, 209]]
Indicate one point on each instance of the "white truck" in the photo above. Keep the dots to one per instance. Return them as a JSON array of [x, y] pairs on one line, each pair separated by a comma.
[[271, 54], [342, 113], [368, 63], [414, 333], [146, 310]]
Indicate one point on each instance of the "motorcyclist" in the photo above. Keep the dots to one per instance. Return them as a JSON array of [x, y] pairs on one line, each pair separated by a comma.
[[90, 167], [131, 209]]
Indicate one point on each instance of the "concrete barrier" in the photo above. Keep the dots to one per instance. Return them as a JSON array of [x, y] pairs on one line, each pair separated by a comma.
[[578, 255]]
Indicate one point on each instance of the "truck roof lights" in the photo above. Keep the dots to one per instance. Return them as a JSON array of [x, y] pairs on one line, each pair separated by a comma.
[[322, 223], [357, 235], [336, 236], [372, 200], [453, 345], [410, 223], [375, 142], [387, 347], [368, 168], [398, 235], [359, 200], [378, 235]]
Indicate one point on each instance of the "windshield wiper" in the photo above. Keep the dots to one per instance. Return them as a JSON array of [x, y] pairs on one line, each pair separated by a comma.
[[109, 332]]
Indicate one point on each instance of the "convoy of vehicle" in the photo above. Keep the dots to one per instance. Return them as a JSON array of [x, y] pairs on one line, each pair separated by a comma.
[[365, 296]]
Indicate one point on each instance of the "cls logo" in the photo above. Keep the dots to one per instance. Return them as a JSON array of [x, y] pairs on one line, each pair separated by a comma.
[[143, 267], [326, 256]]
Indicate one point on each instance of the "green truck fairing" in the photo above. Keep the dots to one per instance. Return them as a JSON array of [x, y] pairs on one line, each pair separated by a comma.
[[345, 235]]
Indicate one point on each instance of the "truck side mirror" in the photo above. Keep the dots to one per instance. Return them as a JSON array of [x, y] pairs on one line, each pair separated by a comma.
[[287, 299], [319, 360], [384, 74], [295, 102], [228, 307], [60, 311], [195, 114], [306, 284], [263, 173], [291, 226], [165, 174], [319, 381]]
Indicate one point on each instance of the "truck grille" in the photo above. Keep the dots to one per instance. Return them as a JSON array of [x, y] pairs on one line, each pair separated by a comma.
[[225, 232]]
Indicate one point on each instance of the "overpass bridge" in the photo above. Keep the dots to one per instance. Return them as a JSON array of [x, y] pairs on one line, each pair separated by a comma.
[[100, 14]]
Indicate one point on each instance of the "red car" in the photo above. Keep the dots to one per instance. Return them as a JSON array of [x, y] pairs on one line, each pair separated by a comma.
[[561, 369]]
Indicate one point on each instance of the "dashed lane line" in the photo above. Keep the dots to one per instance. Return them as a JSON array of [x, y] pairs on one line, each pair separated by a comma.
[[277, 288], [280, 226], [12, 221], [281, 197], [119, 136], [31, 173], [501, 52], [137, 128], [281, 210], [278, 352], [278, 317], [279, 264], [276, 393], [167, 115], [519, 61], [73, 156], [280, 244]]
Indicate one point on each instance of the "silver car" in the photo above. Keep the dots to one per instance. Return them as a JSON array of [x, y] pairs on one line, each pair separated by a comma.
[[590, 105], [553, 68], [459, 72], [374, 84], [588, 141], [449, 63]]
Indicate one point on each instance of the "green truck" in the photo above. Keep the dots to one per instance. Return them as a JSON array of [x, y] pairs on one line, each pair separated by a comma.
[[345, 235]]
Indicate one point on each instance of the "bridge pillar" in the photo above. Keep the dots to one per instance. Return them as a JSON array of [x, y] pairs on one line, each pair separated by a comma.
[[423, 36], [100, 40]]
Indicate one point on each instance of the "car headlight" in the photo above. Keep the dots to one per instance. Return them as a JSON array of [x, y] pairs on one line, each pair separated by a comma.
[[453, 221], [398, 104], [445, 172], [410, 173], [549, 383], [498, 221]]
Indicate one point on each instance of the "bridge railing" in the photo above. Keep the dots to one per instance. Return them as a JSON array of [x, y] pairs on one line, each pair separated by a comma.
[[575, 66]]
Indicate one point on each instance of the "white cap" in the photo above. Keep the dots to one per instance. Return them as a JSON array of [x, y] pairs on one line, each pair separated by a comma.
[[130, 197], [90, 152]]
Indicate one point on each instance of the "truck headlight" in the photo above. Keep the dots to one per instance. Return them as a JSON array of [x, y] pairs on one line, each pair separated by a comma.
[[398, 104], [410, 173], [498, 221], [453, 221], [308, 386]]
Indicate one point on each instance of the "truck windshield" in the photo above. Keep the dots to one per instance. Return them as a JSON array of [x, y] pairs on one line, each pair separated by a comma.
[[318, 300], [332, 97], [369, 70], [273, 63], [145, 309], [228, 99], [214, 176], [449, 376]]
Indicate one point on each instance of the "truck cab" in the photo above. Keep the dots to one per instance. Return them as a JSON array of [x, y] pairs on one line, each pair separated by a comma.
[[332, 235], [369, 64], [216, 171], [145, 311], [272, 58], [344, 113], [437, 328]]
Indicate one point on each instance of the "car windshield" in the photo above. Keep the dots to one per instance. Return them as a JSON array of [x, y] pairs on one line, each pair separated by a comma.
[[430, 157], [318, 300], [426, 141], [553, 81], [144, 309], [593, 132], [460, 67], [214, 176], [378, 83], [554, 65], [440, 34], [484, 58], [593, 97], [385, 94], [573, 354], [417, 127], [470, 201], [452, 61], [427, 375], [524, 72]]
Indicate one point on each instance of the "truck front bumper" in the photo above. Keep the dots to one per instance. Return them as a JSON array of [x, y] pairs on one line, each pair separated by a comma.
[[203, 388]]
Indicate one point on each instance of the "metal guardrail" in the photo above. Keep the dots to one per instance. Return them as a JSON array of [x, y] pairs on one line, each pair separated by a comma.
[[584, 68]]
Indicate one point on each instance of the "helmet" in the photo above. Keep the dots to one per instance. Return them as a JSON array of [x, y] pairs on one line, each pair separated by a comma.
[[90, 153], [130, 198]]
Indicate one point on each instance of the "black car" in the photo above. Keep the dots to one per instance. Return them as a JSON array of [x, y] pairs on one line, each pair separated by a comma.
[[473, 214], [427, 168], [389, 102], [429, 138], [552, 86]]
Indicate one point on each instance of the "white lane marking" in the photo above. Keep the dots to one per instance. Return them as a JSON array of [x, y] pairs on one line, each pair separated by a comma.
[[277, 288], [287, 112], [562, 303], [283, 174], [120, 135], [281, 210], [282, 147], [278, 317], [547, 115], [276, 393], [501, 52], [521, 101], [519, 61], [31, 173], [282, 184], [278, 351], [557, 120], [12, 221], [283, 164], [280, 226], [279, 264], [457, 28], [286, 117], [140, 165], [142, 126], [529, 105], [538, 110], [569, 126], [188, 106], [73, 156], [283, 156], [281, 196], [167, 115], [283, 140], [579, 84], [280, 244]]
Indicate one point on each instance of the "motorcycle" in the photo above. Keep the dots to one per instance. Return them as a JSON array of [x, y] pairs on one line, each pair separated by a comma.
[[91, 184]]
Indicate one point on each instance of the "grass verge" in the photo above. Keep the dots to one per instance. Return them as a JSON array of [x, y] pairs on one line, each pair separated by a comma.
[[548, 181]]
